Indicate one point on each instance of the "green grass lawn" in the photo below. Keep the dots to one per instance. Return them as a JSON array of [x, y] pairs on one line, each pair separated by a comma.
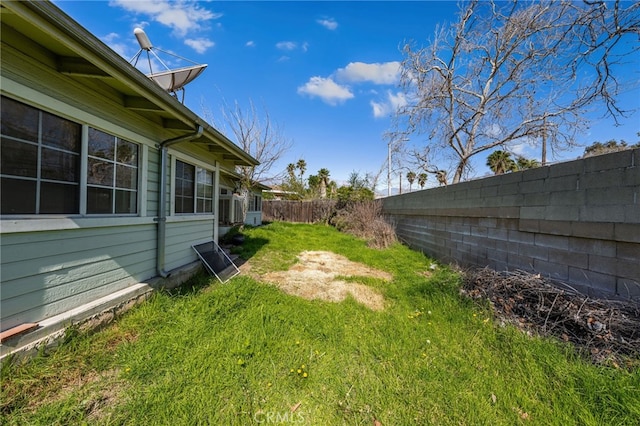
[[247, 353]]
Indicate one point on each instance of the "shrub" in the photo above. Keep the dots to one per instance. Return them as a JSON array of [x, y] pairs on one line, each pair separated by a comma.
[[364, 219], [233, 232]]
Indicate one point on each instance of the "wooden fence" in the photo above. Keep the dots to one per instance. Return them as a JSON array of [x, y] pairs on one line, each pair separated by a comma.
[[314, 211]]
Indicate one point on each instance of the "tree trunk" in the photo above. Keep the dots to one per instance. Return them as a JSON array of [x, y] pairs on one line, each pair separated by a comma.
[[459, 170], [245, 204]]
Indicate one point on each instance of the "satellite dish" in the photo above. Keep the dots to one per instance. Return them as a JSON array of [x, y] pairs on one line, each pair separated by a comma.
[[171, 80]]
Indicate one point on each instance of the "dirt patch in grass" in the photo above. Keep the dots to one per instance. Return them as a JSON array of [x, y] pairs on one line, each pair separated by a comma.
[[322, 275], [101, 391], [102, 401]]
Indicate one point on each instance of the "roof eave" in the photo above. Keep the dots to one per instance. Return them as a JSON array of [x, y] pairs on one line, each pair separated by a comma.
[[67, 31]]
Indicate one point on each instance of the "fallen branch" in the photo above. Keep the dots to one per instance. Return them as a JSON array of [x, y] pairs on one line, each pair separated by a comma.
[[609, 330]]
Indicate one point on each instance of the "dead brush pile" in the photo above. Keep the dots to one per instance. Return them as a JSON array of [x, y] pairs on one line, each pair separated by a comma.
[[608, 331], [364, 219]]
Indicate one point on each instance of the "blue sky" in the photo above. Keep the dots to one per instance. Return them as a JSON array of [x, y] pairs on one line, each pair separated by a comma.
[[325, 71]]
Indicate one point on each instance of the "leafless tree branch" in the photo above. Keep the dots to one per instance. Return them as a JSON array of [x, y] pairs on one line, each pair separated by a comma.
[[508, 72], [256, 133]]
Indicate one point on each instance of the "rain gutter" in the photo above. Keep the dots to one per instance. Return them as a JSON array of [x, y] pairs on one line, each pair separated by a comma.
[[162, 199]]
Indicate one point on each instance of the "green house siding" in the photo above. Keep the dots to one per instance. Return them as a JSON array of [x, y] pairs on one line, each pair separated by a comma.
[[47, 273], [182, 235], [54, 263], [153, 180]]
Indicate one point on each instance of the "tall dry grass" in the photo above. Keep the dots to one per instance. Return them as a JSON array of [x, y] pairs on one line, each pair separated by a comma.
[[364, 219]]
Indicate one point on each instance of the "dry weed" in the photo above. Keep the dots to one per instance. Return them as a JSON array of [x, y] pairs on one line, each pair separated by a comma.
[[609, 330], [364, 219]]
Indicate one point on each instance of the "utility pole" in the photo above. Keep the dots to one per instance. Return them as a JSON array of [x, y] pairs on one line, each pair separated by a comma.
[[544, 141], [389, 170]]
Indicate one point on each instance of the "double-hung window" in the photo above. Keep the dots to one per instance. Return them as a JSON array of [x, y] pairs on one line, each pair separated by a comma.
[[193, 189], [255, 203], [204, 191]]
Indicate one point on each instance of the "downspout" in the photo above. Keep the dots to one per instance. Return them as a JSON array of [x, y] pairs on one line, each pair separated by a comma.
[[162, 198]]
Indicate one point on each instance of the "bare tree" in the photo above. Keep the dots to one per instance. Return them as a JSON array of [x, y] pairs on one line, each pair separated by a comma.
[[257, 135], [423, 161], [374, 177], [514, 72]]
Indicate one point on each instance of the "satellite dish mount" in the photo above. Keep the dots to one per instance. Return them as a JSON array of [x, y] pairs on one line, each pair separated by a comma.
[[171, 80]]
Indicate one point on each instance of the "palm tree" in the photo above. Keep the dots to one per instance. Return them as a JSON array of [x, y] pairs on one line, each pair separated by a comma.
[[411, 177], [501, 162], [525, 163], [291, 170], [422, 180], [323, 174], [302, 166]]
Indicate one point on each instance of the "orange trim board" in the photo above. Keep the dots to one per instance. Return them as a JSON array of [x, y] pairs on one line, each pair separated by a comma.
[[19, 329]]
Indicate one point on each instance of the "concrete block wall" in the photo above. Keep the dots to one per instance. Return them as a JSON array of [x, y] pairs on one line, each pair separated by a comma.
[[577, 222]]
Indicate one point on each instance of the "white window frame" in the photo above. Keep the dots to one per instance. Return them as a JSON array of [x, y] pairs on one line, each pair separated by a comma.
[[113, 186], [255, 203], [197, 166], [83, 154], [227, 197]]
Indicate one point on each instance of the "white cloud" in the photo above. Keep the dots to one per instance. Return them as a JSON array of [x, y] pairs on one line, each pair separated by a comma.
[[326, 89], [518, 149], [200, 45], [250, 43], [379, 109], [286, 45], [523, 146], [332, 92], [378, 73], [389, 106], [328, 23], [110, 37], [493, 130], [182, 17], [397, 100], [113, 41]]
